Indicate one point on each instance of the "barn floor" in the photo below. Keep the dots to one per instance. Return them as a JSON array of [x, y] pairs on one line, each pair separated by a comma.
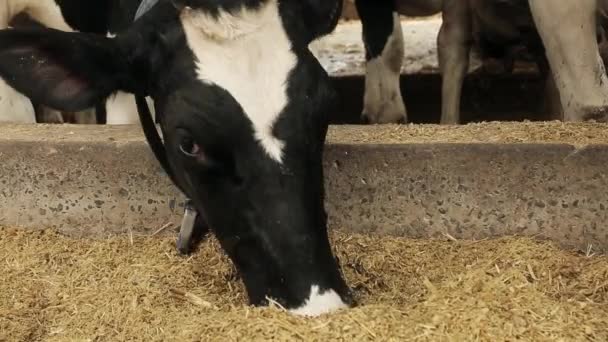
[[54, 288]]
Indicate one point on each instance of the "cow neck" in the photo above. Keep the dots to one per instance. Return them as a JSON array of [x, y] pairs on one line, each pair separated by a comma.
[[145, 116], [160, 152], [153, 138]]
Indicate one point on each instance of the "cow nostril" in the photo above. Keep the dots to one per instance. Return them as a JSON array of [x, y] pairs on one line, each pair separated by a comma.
[[349, 299], [365, 119]]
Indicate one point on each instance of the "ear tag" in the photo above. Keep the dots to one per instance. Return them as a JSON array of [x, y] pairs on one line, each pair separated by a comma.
[[185, 233]]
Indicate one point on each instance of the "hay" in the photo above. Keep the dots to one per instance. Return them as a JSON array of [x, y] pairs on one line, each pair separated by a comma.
[[578, 134], [54, 288]]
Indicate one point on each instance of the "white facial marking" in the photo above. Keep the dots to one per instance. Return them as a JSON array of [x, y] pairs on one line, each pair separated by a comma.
[[383, 102], [111, 35], [248, 54], [320, 303]]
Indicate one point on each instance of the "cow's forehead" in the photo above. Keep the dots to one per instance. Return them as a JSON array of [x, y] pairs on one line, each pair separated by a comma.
[[247, 53]]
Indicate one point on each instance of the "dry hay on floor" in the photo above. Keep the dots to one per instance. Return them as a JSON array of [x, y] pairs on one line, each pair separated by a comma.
[[54, 288], [577, 134]]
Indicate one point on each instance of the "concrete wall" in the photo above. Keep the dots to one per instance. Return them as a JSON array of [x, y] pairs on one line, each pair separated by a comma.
[[93, 181]]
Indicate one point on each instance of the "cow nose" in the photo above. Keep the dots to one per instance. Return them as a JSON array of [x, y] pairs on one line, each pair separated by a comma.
[[350, 300], [365, 120]]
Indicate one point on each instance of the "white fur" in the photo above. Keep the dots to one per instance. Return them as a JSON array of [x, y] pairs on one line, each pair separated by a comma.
[[248, 54], [382, 102], [122, 110], [568, 33], [45, 12], [320, 303], [14, 107]]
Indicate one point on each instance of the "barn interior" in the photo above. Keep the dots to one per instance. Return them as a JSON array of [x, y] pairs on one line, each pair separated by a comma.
[[494, 230]]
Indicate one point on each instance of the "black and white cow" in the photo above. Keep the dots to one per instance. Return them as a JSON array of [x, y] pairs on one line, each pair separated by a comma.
[[561, 35], [384, 49], [243, 106]]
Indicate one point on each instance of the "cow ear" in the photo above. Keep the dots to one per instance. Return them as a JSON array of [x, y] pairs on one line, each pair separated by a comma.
[[68, 71]]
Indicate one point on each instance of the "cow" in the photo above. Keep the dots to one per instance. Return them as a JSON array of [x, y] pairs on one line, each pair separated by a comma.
[[92, 16], [384, 53], [243, 108], [562, 37], [553, 35]]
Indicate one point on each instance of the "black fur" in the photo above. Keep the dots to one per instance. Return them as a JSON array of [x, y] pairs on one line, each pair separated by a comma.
[[377, 23]]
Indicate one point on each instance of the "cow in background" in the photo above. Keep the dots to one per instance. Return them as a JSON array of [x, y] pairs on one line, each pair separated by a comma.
[[384, 54], [561, 35]]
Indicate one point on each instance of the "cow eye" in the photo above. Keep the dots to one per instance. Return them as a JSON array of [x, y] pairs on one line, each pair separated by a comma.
[[190, 148]]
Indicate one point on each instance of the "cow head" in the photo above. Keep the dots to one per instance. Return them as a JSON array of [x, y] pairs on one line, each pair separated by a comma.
[[243, 113]]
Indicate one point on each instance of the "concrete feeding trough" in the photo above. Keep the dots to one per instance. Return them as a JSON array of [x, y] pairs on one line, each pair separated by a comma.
[[415, 181], [473, 182]]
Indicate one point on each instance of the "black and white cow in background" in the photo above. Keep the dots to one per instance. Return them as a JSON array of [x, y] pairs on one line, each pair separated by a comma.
[[93, 16], [563, 33], [243, 106], [384, 53]]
